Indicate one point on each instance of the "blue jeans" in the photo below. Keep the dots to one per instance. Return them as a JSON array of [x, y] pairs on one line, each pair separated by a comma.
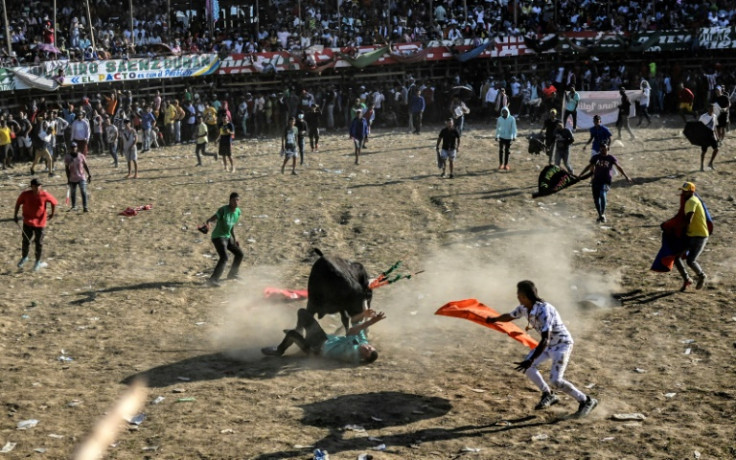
[[82, 190], [147, 138], [599, 197], [113, 146]]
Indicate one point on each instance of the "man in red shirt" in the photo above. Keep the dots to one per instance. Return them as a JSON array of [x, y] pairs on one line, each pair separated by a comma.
[[34, 220], [686, 98]]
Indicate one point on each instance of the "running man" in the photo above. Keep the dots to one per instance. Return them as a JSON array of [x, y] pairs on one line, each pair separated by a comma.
[[34, 203], [450, 139], [351, 348], [556, 344], [602, 165], [696, 231], [223, 238]]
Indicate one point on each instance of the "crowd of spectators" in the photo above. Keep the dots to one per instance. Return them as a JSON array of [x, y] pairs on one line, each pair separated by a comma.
[[280, 25]]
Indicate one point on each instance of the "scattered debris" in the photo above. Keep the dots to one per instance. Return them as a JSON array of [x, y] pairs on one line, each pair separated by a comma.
[[639, 370], [470, 449], [189, 399], [184, 379], [631, 416], [227, 431], [136, 419], [26, 424], [353, 428], [540, 437], [8, 447], [670, 395], [158, 400], [380, 447]]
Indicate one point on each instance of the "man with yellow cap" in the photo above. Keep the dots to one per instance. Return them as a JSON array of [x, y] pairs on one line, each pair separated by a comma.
[[695, 227]]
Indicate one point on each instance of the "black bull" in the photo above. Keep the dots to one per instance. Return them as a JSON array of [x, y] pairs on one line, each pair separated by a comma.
[[337, 285]]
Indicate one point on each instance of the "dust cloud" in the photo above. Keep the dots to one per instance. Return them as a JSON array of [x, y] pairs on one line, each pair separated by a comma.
[[460, 271]]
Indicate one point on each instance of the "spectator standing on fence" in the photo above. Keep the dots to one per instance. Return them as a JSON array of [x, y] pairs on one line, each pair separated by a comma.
[[130, 150], [81, 132]]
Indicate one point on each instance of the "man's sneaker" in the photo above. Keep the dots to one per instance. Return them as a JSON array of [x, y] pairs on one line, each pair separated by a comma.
[[234, 277], [603, 218], [22, 262], [271, 351], [586, 406], [688, 282], [39, 265], [548, 399], [213, 283], [701, 281]]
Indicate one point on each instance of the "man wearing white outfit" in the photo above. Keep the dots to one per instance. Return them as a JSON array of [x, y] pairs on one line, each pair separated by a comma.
[[556, 344]]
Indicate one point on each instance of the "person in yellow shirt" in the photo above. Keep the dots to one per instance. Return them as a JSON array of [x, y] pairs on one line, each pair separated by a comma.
[[5, 141], [210, 119], [201, 138], [169, 119], [695, 227]]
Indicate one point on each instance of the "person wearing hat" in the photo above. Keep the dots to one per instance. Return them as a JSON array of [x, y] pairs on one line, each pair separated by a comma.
[[696, 231], [130, 150], [602, 165], [76, 165], [34, 203]]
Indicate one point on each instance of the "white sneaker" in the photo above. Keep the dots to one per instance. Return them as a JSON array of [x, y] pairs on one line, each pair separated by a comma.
[[39, 265]]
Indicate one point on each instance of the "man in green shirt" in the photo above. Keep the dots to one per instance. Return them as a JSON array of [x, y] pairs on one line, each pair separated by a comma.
[[224, 240], [353, 347]]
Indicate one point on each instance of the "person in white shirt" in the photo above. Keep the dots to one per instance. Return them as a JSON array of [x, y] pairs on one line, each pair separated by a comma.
[[556, 345], [710, 120], [646, 92]]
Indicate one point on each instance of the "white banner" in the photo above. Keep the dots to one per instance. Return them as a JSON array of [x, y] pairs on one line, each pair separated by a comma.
[[603, 103]]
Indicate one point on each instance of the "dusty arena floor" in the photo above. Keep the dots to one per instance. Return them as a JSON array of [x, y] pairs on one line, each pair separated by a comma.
[[125, 297]]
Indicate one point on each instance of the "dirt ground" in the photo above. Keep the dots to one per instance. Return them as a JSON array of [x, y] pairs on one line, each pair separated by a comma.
[[125, 297]]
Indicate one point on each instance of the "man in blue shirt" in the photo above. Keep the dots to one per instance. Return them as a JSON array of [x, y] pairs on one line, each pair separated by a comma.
[[417, 105], [599, 135], [148, 121], [353, 347]]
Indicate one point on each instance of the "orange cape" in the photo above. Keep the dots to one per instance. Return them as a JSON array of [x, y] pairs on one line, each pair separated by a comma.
[[475, 311]]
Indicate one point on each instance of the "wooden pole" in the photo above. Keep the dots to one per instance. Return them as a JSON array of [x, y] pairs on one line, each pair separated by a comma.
[[7, 27], [132, 34], [53, 24], [91, 29]]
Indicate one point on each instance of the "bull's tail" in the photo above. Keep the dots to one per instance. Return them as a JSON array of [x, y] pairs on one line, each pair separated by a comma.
[[318, 252]]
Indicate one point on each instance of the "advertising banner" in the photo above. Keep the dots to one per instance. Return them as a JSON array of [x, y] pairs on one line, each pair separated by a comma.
[[605, 104]]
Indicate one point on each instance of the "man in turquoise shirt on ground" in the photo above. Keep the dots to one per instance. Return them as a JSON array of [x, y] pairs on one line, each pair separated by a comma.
[[353, 347], [224, 240]]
